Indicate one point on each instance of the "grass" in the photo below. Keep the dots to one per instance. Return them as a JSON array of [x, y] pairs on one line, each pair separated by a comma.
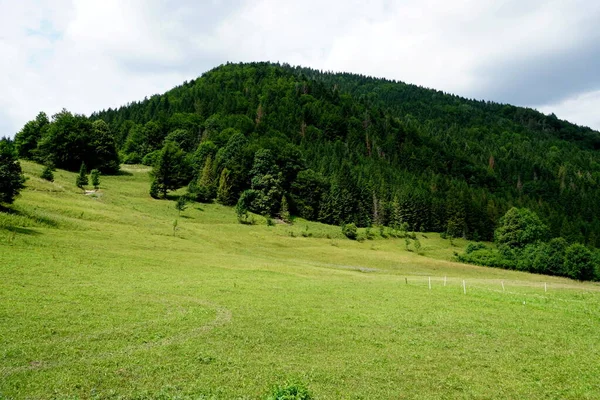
[[101, 298]]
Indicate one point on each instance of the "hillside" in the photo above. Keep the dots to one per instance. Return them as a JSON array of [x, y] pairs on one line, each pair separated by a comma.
[[101, 298], [347, 148]]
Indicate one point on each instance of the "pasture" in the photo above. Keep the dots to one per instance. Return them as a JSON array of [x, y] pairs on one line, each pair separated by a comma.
[[101, 297]]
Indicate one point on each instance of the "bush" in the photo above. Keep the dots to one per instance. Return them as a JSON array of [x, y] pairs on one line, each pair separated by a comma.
[[471, 247], [488, 258], [131, 158], [350, 231], [579, 263], [150, 158], [292, 391], [48, 174], [154, 192]]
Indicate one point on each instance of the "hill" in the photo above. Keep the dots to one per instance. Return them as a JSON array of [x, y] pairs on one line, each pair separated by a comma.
[[378, 151], [102, 298]]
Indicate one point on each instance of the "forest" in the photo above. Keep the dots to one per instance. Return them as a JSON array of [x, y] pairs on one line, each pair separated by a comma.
[[341, 148]]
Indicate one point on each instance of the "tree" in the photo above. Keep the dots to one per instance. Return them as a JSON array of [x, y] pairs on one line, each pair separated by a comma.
[[243, 205], [284, 212], [169, 171], [181, 204], [66, 142], [82, 179], [579, 263], [103, 143], [519, 227], [203, 189], [26, 140], [95, 175], [224, 192], [11, 174], [48, 173]]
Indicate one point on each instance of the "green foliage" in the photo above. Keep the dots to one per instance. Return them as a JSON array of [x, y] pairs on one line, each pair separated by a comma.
[[26, 140], [417, 245], [82, 179], [579, 263], [243, 205], [95, 175], [350, 148], [472, 247], [154, 189], [518, 228], [290, 391], [149, 159], [71, 139], [225, 193], [284, 212], [48, 173], [11, 175], [203, 189], [181, 204], [350, 231], [171, 170]]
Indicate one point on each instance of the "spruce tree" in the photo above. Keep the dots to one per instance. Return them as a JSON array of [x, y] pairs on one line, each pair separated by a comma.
[[224, 191], [95, 175], [284, 212], [181, 204], [82, 180], [48, 174], [11, 175]]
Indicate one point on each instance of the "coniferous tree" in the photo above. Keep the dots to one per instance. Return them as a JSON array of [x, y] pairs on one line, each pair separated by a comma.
[[95, 175], [169, 172], [181, 204], [224, 193], [11, 174], [82, 179], [284, 212], [48, 173]]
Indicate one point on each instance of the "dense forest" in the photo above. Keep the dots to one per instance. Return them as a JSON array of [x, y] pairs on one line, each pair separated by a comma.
[[342, 148]]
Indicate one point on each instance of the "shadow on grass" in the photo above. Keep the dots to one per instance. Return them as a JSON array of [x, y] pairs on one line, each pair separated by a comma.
[[40, 219], [123, 173], [22, 231]]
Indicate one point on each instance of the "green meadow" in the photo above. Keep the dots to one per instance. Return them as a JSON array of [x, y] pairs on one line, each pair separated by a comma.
[[101, 296]]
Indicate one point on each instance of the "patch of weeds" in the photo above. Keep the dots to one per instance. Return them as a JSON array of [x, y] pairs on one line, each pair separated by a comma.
[[290, 391], [306, 233]]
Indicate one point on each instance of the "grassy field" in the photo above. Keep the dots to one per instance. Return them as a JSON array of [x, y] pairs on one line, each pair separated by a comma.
[[101, 298]]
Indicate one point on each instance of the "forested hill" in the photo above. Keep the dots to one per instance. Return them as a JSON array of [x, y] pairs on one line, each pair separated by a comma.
[[346, 148]]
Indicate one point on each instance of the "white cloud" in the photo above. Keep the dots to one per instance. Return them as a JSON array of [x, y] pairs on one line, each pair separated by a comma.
[[583, 109], [86, 55]]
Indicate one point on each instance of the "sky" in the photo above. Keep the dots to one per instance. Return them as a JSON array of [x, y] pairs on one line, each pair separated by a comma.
[[89, 55]]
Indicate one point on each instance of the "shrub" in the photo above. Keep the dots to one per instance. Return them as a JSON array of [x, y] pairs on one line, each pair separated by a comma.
[[417, 244], [149, 159], [291, 391], [579, 263], [471, 247], [48, 174], [95, 175], [350, 231], [82, 180]]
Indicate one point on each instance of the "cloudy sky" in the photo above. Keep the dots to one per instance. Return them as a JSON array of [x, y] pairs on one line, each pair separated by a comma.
[[86, 55]]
